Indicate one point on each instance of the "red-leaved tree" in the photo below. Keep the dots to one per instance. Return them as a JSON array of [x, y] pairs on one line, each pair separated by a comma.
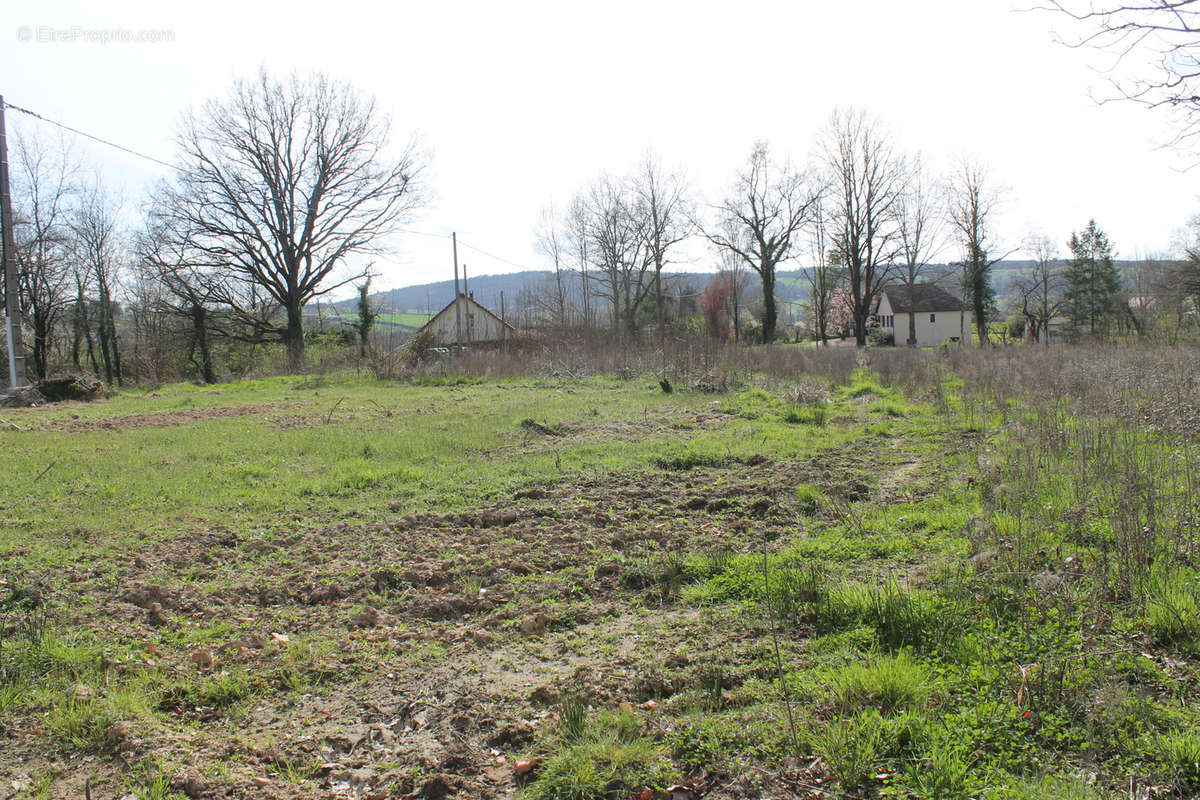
[[713, 303]]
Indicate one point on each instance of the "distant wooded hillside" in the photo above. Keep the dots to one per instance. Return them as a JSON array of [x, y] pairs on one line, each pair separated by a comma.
[[411, 306]]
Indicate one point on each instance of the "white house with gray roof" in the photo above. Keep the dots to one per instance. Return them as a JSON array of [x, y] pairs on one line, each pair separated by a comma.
[[940, 316]]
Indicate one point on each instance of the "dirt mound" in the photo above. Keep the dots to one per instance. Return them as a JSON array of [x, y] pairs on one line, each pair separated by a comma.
[[71, 387], [25, 397]]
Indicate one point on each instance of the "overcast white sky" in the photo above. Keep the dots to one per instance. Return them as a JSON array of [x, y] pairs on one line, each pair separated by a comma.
[[522, 103]]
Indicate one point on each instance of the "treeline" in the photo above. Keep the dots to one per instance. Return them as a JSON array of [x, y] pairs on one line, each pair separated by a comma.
[[283, 190], [861, 215], [278, 195]]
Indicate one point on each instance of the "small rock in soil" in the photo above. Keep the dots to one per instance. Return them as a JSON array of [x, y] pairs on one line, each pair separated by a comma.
[[119, 734], [156, 616], [369, 618], [535, 625], [435, 788], [190, 782]]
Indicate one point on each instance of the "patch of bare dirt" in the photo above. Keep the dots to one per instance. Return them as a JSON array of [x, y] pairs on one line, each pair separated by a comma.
[[160, 419], [653, 424], [431, 647]]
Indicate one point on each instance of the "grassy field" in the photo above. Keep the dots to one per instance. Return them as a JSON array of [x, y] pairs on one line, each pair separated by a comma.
[[412, 318], [932, 586]]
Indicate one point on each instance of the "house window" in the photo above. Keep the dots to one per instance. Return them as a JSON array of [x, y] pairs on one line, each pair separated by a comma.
[[932, 318]]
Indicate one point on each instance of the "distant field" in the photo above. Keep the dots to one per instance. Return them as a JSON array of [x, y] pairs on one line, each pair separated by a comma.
[[585, 589], [411, 318]]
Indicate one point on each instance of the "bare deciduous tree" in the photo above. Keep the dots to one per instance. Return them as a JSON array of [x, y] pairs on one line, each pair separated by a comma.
[[577, 236], [866, 179], [45, 187], [285, 181], [737, 277], [918, 221], [823, 276], [548, 239], [1188, 245], [761, 219], [617, 248], [1155, 51], [189, 290], [99, 252], [972, 202], [1041, 289], [666, 219]]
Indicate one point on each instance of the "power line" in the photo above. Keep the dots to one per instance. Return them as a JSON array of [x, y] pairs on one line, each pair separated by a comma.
[[160, 162], [90, 136], [425, 233], [493, 255], [483, 252]]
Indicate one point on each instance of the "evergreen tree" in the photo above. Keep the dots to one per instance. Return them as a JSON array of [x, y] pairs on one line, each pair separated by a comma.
[[1093, 284], [978, 292], [366, 317]]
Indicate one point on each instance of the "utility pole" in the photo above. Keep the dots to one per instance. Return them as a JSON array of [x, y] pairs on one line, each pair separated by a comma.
[[457, 305], [503, 326], [12, 304], [467, 294]]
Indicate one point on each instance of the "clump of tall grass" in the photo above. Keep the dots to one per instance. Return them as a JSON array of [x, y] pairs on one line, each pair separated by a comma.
[[885, 682], [901, 617], [1173, 609], [598, 756]]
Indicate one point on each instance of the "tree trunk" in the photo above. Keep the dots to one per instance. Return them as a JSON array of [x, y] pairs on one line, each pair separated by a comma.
[[114, 344], [294, 338], [42, 326], [102, 331], [587, 308], [108, 337], [768, 287], [78, 322], [658, 297], [977, 290], [737, 333], [200, 334], [91, 342]]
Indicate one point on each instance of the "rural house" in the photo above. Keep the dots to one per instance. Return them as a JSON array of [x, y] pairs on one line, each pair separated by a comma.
[[465, 322], [940, 316]]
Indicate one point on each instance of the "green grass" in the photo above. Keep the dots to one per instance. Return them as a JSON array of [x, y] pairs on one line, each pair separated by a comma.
[[383, 443], [600, 755], [411, 318], [888, 683], [952, 604]]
